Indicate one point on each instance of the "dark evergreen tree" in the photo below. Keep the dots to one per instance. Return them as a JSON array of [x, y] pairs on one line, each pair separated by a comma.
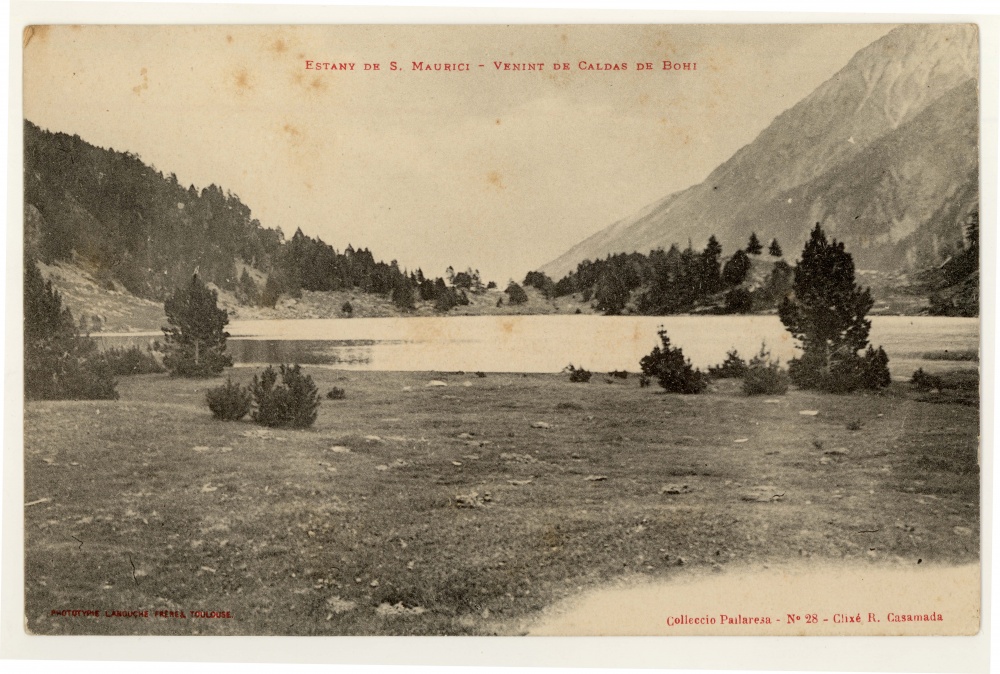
[[516, 294], [610, 293], [826, 315], [774, 250], [272, 291], [739, 301], [671, 369], [711, 267], [754, 246], [247, 292], [196, 338], [402, 294], [59, 364], [736, 269], [541, 281]]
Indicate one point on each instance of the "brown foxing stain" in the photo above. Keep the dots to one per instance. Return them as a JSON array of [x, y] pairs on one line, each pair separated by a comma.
[[295, 136], [142, 86], [317, 84], [229, 39], [279, 46], [643, 99], [498, 121], [638, 336], [495, 179], [243, 81], [31, 32], [507, 326]]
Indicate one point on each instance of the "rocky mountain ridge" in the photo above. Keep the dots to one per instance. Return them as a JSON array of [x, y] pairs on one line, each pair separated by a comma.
[[884, 154]]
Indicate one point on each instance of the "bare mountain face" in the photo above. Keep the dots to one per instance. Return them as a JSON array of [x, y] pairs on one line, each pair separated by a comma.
[[884, 154]]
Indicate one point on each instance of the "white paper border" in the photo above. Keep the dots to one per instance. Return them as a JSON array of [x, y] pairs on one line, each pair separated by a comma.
[[915, 654]]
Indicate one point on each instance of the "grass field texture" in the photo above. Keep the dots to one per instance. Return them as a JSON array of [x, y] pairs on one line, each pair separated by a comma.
[[468, 508]]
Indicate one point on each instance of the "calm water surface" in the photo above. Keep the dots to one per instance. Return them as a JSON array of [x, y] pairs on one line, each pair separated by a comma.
[[549, 343]]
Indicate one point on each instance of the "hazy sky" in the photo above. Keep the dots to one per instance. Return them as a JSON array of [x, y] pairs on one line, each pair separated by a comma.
[[496, 170]]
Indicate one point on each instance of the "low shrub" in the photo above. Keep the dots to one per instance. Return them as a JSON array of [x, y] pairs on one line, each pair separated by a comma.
[[644, 381], [131, 360], [619, 374], [336, 393], [868, 372], [922, 381], [293, 403], [733, 367], [672, 370], [960, 355], [764, 376], [579, 375], [771, 380], [229, 402]]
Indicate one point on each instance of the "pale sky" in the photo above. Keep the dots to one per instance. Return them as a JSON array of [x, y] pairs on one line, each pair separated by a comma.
[[496, 170]]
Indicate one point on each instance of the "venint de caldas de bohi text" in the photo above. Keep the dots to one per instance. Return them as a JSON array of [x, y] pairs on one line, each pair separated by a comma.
[[504, 66]]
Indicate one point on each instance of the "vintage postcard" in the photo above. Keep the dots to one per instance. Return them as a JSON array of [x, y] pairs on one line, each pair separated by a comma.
[[650, 329]]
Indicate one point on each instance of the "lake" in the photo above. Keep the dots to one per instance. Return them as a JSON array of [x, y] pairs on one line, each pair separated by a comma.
[[549, 343]]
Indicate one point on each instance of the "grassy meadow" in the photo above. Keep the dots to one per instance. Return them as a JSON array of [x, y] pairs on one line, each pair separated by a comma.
[[468, 508]]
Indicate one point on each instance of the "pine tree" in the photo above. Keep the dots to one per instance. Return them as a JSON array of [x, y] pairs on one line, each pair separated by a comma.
[[711, 267], [611, 293], [774, 250], [826, 314], [754, 246], [59, 364], [196, 340], [735, 269], [515, 293]]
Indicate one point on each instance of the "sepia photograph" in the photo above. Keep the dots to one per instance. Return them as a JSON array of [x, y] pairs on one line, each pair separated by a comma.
[[515, 330]]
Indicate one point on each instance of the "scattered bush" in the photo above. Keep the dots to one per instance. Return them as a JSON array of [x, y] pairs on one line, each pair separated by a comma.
[[922, 381], [854, 425], [733, 367], [347, 309], [336, 393], [874, 373], [672, 370], [292, 403], [771, 380], [481, 375], [132, 360], [764, 376], [229, 402], [962, 355], [643, 381], [849, 373], [619, 374], [578, 375]]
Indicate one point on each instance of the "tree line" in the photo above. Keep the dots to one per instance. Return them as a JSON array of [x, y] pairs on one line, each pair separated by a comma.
[[673, 281], [143, 229]]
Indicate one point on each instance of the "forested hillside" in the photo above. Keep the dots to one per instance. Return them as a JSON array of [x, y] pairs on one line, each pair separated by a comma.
[[124, 222]]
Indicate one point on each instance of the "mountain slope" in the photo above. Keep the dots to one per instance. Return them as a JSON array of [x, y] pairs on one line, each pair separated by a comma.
[[908, 102]]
